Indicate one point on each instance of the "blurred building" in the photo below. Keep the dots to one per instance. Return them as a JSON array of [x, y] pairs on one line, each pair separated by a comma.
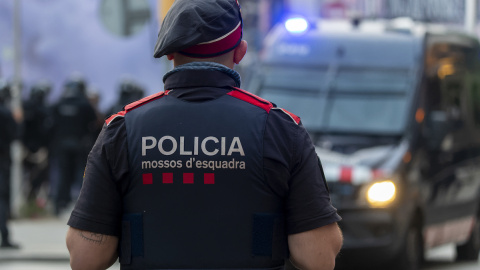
[[106, 39], [442, 11], [261, 15]]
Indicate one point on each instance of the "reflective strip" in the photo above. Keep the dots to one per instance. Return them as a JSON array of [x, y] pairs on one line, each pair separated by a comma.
[[332, 173], [345, 174], [350, 174]]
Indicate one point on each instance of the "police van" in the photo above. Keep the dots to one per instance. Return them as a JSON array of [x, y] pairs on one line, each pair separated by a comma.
[[393, 107]]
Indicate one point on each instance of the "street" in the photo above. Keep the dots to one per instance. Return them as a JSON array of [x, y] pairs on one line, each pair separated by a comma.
[[41, 266], [443, 258], [438, 259], [438, 264], [43, 248]]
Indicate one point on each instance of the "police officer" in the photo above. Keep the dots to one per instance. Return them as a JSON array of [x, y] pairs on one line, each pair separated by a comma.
[[73, 117], [128, 93], [37, 127], [203, 175], [8, 132]]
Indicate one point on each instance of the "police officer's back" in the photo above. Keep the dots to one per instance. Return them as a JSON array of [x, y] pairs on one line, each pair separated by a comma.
[[203, 175]]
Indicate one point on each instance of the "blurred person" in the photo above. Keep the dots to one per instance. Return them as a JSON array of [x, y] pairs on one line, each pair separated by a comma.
[[128, 92], [74, 118], [94, 99], [8, 132], [36, 133], [203, 175]]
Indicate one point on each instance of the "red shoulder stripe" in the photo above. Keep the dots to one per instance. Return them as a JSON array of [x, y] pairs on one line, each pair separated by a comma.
[[251, 98], [295, 118], [134, 105], [114, 116], [144, 101]]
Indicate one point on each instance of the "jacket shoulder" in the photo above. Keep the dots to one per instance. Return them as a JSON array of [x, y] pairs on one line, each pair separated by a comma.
[[251, 98], [296, 119], [261, 102]]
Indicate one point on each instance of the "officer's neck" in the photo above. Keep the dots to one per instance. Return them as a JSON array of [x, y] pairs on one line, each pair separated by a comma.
[[179, 59]]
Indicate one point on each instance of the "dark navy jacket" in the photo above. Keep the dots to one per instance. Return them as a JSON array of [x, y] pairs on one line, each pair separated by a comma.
[[203, 175]]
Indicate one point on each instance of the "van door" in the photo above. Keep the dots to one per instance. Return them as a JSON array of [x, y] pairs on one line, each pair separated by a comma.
[[451, 203]]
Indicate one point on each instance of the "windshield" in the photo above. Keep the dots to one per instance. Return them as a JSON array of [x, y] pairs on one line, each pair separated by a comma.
[[341, 100]]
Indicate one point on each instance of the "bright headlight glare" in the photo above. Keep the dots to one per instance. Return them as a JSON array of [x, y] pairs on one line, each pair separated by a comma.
[[381, 193]]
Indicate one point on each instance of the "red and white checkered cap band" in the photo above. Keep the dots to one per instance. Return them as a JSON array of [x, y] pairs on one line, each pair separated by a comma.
[[217, 46]]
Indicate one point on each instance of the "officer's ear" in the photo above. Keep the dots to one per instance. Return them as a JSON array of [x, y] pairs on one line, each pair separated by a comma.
[[240, 52], [170, 56]]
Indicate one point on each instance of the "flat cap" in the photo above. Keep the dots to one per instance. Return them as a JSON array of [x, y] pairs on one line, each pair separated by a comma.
[[200, 28]]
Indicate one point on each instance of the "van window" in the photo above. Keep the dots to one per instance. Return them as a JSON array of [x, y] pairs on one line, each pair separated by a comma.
[[372, 80], [452, 93], [348, 100], [304, 79]]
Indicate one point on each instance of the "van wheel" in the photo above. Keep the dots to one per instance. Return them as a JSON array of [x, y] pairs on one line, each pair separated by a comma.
[[471, 249], [411, 254]]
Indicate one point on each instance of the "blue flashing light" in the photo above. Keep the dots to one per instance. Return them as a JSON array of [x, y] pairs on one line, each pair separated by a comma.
[[296, 25]]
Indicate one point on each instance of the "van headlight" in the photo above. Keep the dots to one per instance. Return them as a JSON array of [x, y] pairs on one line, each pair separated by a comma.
[[381, 194]]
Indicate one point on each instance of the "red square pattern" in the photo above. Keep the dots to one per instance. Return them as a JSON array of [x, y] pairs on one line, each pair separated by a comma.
[[188, 178], [147, 178], [167, 178], [209, 178]]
